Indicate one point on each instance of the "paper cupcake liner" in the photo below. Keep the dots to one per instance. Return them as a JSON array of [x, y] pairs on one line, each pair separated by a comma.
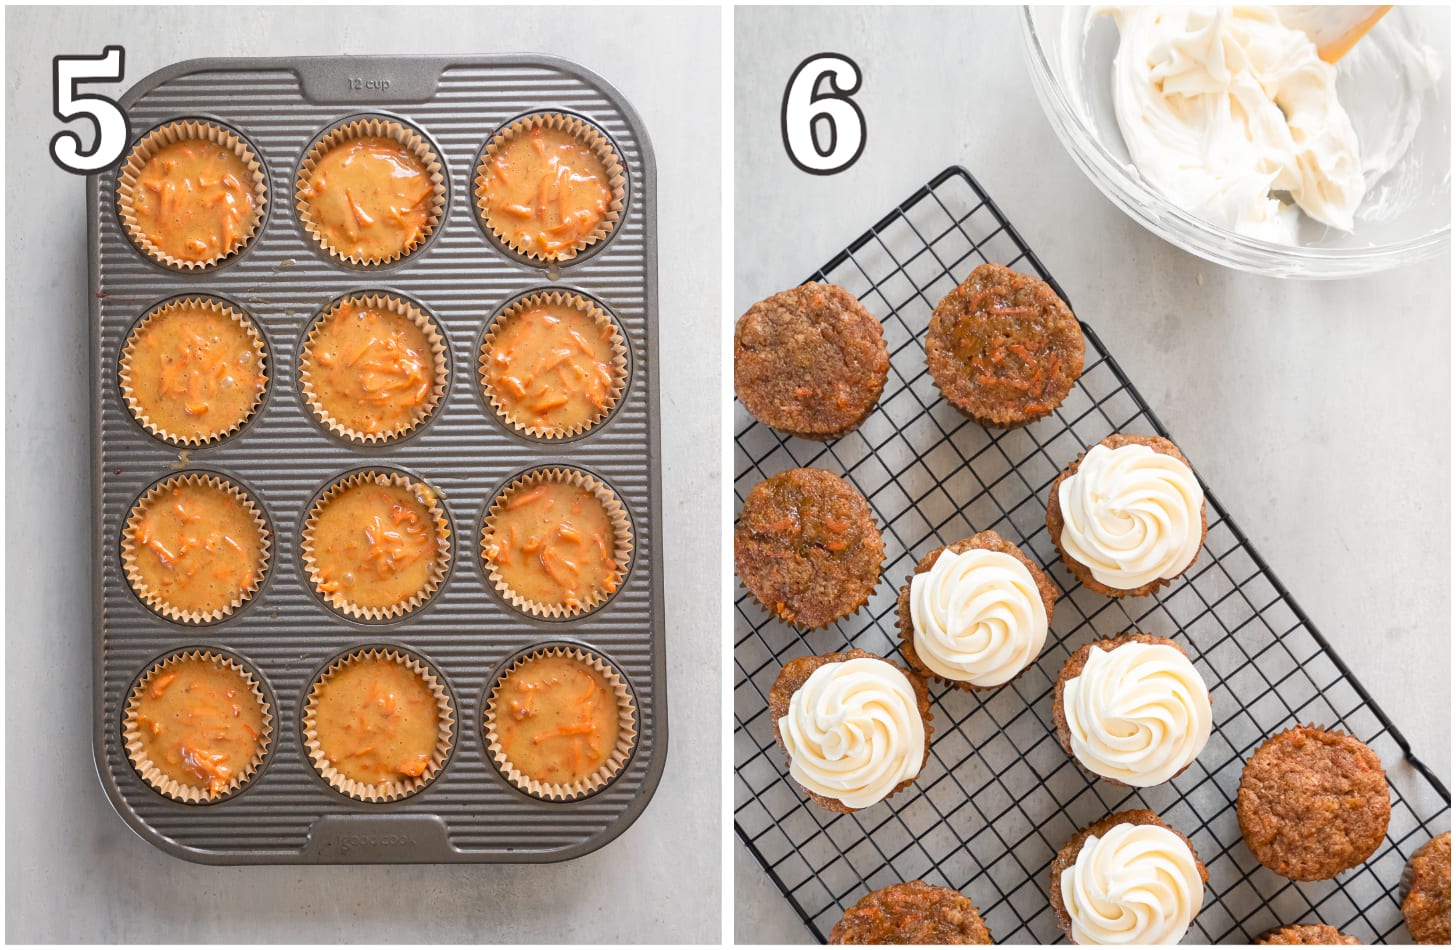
[[621, 531], [404, 309], [577, 302], [422, 492], [588, 135], [616, 762], [361, 128], [132, 569], [170, 134], [150, 773], [384, 791], [124, 369]]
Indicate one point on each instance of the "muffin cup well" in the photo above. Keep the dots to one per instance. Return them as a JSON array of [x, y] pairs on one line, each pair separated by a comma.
[[150, 773], [626, 728], [438, 351], [590, 136], [621, 548], [155, 601], [124, 368], [169, 134], [426, 495], [384, 791], [360, 128], [562, 299]]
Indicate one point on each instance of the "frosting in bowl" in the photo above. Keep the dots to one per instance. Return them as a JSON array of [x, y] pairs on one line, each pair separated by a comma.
[[1136, 884], [978, 617], [854, 731], [1132, 515]]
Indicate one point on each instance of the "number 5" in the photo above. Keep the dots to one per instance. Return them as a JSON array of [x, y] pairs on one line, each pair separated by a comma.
[[107, 116], [803, 106]]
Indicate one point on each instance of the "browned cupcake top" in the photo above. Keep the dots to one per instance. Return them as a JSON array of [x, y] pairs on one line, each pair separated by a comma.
[[810, 361], [1003, 347], [1322, 935], [914, 912], [1427, 908], [807, 547], [1313, 803]]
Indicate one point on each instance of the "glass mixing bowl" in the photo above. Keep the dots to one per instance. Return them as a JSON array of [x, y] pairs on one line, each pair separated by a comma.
[[1406, 214]]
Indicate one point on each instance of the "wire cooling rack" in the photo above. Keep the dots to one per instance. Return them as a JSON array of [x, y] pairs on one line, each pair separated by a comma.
[[998, 795]]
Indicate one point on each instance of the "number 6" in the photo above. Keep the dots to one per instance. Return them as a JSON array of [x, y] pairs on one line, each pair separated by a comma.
[[803, 106], [110, 121]]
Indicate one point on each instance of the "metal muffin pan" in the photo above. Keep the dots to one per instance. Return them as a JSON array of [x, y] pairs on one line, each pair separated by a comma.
[[288, 814]]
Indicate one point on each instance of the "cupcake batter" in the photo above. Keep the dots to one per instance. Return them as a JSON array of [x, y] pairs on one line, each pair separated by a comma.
[[200, 723], [551, 367], [196, 548], [372, 370], [373, 545], [377, 721], [556, 718], [194, 200], [545, 190], [371, 198], [554, 544]]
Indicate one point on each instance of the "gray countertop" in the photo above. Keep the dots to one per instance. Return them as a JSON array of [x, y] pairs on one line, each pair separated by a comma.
[[1320, 413], [74, 872]]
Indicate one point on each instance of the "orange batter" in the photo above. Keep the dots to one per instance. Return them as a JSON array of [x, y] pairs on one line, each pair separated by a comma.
[[200, 723], [197, 548], [553, 544], [195, 373], [545, 190], [194, 200], [374, 545], [377, 721], [556, 718], [550, 367], [372, 370], [371, 198]]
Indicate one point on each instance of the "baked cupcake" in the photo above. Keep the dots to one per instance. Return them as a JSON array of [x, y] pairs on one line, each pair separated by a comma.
[[193, 371], [911, 913], [373, 368], [975, 613], [1128, 515], [191, 194], [807, 547], [560, 723], [549, 186], [1427, 888], [556, 543], [1313, 803], [370, 191], [1132, 710], [195, 548], [378, 725], [1317, 935], [376, 545], [856, 728], [197, 726], [810, 361], [1003, 348], [1127, 879], [552, 365]]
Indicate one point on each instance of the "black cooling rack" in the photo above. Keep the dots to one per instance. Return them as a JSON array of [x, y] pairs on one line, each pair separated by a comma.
[[998, 795]]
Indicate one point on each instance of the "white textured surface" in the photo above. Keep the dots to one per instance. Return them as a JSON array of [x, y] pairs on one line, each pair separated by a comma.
[[74, 871], [1319, 413]]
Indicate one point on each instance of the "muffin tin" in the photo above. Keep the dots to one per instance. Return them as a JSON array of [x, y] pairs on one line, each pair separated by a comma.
[[998, 796], [466, 631]]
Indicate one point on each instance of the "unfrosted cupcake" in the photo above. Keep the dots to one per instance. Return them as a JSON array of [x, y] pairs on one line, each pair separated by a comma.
[[1127, 516], [1127, 879], [1133, 709], [975, 613], [911, 913], [856, 728], [1426, 883], [1316, 935]]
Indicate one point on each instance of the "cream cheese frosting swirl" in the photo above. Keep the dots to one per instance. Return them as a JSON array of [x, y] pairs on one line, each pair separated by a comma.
[[1136, 884], [854, 731], [1132, 516], [1138, 713], [978, 617]]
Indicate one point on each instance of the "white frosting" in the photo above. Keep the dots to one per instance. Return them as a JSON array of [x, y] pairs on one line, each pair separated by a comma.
[[853, 731], [977, 616], [1221, 107], [1132, 515], [1139, 713], [1137, 884]]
